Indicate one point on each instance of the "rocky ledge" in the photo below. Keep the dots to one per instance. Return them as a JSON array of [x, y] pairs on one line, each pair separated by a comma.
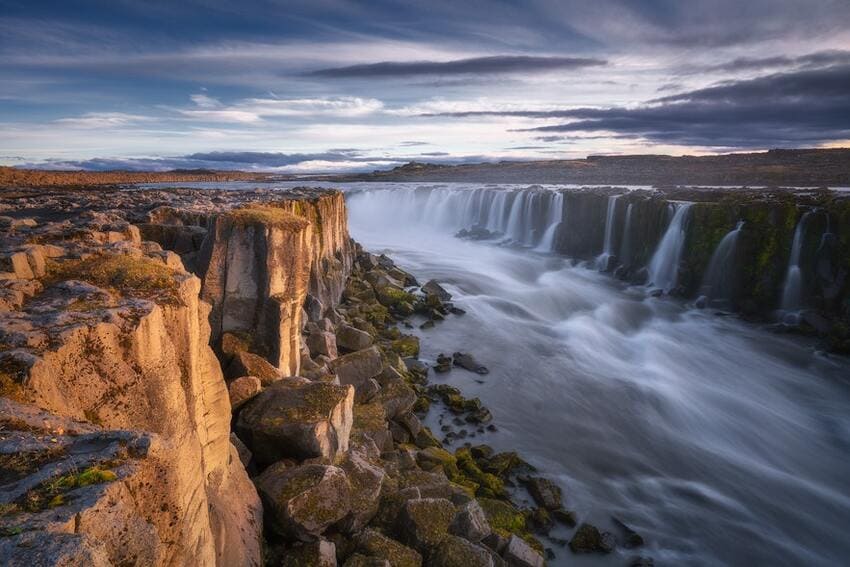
[[221, 378]]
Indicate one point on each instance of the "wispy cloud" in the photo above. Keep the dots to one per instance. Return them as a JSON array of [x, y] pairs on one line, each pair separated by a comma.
[[493, 65], [102, 120]]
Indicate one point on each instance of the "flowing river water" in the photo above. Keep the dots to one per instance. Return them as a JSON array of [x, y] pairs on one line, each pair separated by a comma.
[[718, 441]]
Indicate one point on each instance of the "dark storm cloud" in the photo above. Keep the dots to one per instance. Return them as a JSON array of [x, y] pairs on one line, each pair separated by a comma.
[[801, 107], [495, 65]]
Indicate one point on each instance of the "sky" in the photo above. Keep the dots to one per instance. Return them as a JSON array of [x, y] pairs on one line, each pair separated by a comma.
[[343, 85]]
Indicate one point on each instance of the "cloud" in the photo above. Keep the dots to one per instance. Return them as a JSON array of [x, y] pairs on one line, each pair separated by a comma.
[[818, 59], [493, 65], [253, 110], [102, 120], [800, 107]]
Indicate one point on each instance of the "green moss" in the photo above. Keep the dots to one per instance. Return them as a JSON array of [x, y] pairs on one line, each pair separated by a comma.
[[489, 485], [142, 277], [54, 492], [369, 417], [406, 346], [267, 215], [377, 545]]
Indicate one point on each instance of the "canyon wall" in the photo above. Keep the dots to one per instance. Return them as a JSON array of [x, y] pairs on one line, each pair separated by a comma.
[[115, 446]]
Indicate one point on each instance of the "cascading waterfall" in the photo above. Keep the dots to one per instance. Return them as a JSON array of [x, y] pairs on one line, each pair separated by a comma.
[[603, 259], [556, 217], [626, 245], [792, 293], [664, 267], [718, 287]]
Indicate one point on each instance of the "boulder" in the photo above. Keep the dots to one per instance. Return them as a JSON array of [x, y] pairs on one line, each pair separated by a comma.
[[468, 362], [545, 492], [588, 539], [431, 287], [455, 551], [374, 544], [357, 367], [249, 364], [352, 339], [322, 342], [471, 522], [631, 538], [425, 522], [243, 389], [366, 478], [397, 397], [444, 363], [319, 553], [297, 420], [303, 501], [519, 554]]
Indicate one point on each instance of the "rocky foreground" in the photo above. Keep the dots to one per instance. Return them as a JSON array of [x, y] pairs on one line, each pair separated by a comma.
[[221, 378]]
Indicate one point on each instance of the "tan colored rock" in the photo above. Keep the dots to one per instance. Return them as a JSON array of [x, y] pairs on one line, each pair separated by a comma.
[[149, 368], [256, 265], [249, 364], [243, 389]]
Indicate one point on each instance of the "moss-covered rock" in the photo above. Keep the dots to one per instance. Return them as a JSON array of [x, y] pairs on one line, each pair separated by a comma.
[[375, 544], [303, 501], [425, 522]]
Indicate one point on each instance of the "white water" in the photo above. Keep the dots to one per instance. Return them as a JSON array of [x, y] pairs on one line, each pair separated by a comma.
[[792, 293], [719, 282], [626, 246], [721, 443], [556, 217], [608, 247], [664, 266]]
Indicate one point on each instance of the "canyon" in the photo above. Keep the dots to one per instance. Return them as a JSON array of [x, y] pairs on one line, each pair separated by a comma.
[[220, 375]]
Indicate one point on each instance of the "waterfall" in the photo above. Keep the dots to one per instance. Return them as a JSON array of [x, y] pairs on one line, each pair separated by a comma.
[[718, 285], [603, 259], [792, 293], [556, 217], [664, 267], [626, 245]]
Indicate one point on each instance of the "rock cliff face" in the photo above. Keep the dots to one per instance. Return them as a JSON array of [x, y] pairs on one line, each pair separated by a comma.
[[259, 263], [116, 444]]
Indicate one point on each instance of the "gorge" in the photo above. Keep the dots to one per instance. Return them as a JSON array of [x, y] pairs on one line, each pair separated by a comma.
[[603, 315]]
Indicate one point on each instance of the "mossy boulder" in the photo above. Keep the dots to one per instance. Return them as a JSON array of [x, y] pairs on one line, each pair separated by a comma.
[[455, 551], [319, 553], [303, 501], [471, 522], [406, 346], [425, 522], [366, 478], [372, 543], [432, 457], [300, 421], [489, 485], [545, 492]]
